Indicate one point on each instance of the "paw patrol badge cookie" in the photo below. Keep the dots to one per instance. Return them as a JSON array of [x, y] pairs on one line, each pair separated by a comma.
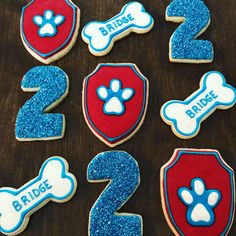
[[198, 193], [115, 98], [49, 28]]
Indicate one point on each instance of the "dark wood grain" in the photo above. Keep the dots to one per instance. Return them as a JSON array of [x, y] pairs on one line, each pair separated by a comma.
[[152, 146]]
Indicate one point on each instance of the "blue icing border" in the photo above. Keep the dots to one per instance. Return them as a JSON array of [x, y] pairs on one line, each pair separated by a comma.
[[199, 199], [117, 95], [143, 106], [45, 56], [49, 21], [199, 119], [220, 160], [65, 174], [118, 32]]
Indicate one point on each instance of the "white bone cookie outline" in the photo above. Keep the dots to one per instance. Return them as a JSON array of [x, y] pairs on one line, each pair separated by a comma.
[[185, 117], [100, 36], [54, 183]]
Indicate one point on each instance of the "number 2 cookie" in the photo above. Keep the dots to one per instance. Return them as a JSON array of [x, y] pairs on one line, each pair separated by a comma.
[[184, 47], [115, 98], [198, 193], [49, 28]]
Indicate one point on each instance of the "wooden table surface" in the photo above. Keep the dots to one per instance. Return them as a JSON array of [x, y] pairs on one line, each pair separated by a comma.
[[152, 146]]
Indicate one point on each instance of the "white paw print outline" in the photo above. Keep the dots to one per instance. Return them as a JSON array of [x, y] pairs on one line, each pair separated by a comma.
[[114, 97], [200, 203], [48, 23]]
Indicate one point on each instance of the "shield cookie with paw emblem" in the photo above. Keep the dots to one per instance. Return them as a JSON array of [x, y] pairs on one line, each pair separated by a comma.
[[49, 28], [115, 98], [198, 193]]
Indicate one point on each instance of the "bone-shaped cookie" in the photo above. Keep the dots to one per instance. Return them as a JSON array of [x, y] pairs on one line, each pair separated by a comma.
[[53, 183], [185, 117], [101, 36]]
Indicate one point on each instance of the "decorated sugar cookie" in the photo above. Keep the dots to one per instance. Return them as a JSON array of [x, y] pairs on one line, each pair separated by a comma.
[[100, 36], [115, 98], [198, 193], [33, 121], [185, 47], [122, 171], [49, 28], [185, 117], [54, 183]]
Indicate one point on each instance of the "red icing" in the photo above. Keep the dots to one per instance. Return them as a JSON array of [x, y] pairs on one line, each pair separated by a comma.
[[207, 167], [46, 45], [111, 125]]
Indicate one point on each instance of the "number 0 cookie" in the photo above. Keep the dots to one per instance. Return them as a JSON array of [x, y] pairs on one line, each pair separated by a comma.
[[115, 98], [198, 193], [49, 28]]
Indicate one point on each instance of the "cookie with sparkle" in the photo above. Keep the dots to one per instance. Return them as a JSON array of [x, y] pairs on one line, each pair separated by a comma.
[[49, 29], [184, 47], [185, 117], [115, 98], [54, 183], [122, 171], [33, 122], [101, 36], [198, 193]]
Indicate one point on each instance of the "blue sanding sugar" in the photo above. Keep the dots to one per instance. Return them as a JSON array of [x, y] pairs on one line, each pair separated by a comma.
[[51, 84], [197, 18], [123, 170]]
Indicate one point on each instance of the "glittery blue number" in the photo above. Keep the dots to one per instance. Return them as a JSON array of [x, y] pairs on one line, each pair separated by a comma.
[[33, 123], [183, 44], [123, 172]]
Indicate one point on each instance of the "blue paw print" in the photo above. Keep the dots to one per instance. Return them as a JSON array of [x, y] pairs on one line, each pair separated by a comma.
[[114, 97], [48, 23], [200, 203]]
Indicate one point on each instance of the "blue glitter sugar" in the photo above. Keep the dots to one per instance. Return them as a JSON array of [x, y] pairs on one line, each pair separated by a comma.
[[123, 172], [183, 44], [32, 123]]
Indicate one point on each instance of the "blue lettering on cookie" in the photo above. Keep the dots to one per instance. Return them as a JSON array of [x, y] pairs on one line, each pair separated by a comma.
[[32, 195], [201, 104]]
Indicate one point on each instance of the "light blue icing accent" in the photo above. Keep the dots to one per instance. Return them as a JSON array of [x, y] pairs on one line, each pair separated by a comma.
[[50, 21], [143, 105], [47, 196], [113, 35], [123, 172], [63, 45], [184, 45], [199, 199], [188, 101], [51, 84], [230, 172], [115, 94]]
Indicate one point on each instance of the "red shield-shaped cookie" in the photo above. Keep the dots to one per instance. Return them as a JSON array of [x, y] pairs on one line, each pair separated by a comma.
[[115, 100], [49, 28], [190, 207]]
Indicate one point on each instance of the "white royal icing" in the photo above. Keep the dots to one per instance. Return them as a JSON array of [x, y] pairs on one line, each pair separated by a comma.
[[186, 116], [101, 35], [53, 183]]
